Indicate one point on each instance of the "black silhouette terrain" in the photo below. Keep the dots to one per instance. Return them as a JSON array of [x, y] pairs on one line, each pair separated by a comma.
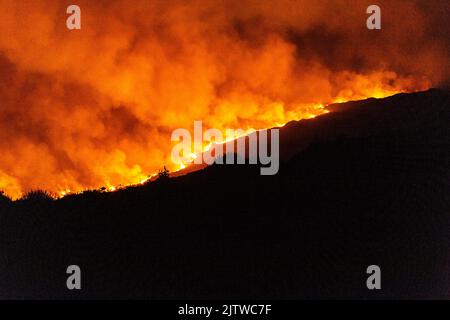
[[366, 184]]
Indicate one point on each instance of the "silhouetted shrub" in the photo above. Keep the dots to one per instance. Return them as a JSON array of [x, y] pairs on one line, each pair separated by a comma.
[[37, 196], [4, 199], [91, 192]]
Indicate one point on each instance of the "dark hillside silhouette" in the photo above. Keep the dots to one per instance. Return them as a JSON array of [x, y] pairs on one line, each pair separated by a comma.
[[367, 184]]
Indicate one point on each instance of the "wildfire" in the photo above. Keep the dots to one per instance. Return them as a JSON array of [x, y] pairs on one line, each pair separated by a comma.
[[314, 111], [94, 108]]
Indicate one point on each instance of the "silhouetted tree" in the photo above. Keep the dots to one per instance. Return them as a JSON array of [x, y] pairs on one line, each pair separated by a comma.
[[164, 174]]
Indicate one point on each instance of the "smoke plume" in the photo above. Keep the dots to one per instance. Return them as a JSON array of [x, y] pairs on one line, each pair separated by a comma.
[[95, 107]]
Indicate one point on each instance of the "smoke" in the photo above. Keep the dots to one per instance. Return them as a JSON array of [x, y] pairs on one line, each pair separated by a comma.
[[95, 107]]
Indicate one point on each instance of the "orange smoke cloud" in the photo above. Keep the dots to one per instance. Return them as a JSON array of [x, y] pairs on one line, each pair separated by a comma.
[[95, 107]]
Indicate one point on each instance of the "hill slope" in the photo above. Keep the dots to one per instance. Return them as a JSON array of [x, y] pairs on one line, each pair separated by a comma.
[[366, 184]]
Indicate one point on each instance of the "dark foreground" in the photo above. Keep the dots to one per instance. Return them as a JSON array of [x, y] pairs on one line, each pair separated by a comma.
[[367, 184]]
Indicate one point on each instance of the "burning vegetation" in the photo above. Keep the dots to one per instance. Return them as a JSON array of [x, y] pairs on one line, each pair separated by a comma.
[[82, 109]]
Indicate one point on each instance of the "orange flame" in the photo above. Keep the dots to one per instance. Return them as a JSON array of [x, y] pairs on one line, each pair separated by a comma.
[[91, 108]]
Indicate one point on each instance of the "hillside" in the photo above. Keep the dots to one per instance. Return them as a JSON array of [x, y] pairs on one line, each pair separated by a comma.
[[365, 184]]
